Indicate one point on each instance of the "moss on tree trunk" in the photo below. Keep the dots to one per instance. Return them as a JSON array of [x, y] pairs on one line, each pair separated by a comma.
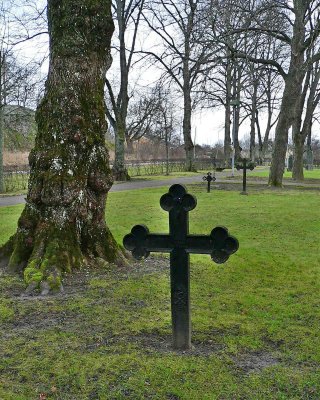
[[63, 223]]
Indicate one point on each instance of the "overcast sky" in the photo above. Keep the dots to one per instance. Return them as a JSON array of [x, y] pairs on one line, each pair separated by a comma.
[[207, 126]]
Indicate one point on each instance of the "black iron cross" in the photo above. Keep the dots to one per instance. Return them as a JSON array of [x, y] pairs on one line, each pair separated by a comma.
[[179, 244], [209, 178], [244, 165]]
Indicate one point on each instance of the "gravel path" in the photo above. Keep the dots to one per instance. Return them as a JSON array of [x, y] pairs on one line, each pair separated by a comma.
[[131, 185]]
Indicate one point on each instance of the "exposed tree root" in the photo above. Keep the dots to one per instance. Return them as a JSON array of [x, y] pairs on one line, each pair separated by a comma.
[[44, 250]]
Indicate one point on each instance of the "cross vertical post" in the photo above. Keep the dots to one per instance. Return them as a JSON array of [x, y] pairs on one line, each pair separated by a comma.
[[244, 166], [244, 177], [178, 203]]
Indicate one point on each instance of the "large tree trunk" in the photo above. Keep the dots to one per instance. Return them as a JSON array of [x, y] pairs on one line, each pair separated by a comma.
[[303, 130], [227, 133], [253, 122], [291, 97], [2, 185], [236, 111], [297, 168], [281, 137], [2, 95], [188, 144], [63, 223], [237, 148], [120, 172], [119, 169], [227, 116], [309, 151]]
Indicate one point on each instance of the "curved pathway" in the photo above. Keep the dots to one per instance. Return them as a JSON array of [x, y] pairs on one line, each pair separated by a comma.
[[117, 187], [148, 183]]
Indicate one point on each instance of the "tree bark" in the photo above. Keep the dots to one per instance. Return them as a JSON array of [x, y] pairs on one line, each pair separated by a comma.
[[227, 116], [237, 148], [309, 151], [291, 96], [227, 133], [301, 130], [120, 172], [63, 223], [253, 122], [2, 184], [297, 168], [2, 90], [188, 144], [265, 142], [236, 114], [281, 134]]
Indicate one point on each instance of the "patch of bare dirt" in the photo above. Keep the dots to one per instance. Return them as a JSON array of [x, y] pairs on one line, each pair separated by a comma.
[[255, 362], [151, 343], [155, 343]]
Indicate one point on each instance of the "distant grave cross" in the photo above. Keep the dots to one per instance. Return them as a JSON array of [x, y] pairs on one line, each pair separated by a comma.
[[180, 244], [209, 178], [244, 165]]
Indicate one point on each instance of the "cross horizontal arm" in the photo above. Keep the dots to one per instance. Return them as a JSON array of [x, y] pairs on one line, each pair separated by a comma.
[[204, 244], [199, 244], [219, 244], [158, 242], [140, 242]]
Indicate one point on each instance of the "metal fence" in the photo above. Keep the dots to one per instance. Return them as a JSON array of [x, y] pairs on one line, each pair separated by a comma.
[[16, 177], [159, 167]]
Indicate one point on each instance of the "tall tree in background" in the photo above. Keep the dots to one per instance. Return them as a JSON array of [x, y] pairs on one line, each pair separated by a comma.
[[229, 79], [63, 223], [142, 118], [4, 51], [300, 41], [20, 80], [302, 124], [2, 104], [271, 88], [126, 13], [180, 53], [296, 25]]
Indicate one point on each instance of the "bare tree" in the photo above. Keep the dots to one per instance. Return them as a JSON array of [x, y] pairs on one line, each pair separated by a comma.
[[125, 13], [4, 51], [290, 23], [142, 114], [302, 124], [231, 80], [19, 79], [180, 53], [165, 120]]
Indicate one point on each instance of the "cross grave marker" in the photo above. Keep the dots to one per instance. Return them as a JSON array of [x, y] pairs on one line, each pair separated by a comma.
[[209, 178], [244, 166], [179, 243]]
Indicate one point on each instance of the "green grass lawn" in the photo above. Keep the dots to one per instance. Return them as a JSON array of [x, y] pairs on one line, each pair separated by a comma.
[[255, 319], [313, 174]]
